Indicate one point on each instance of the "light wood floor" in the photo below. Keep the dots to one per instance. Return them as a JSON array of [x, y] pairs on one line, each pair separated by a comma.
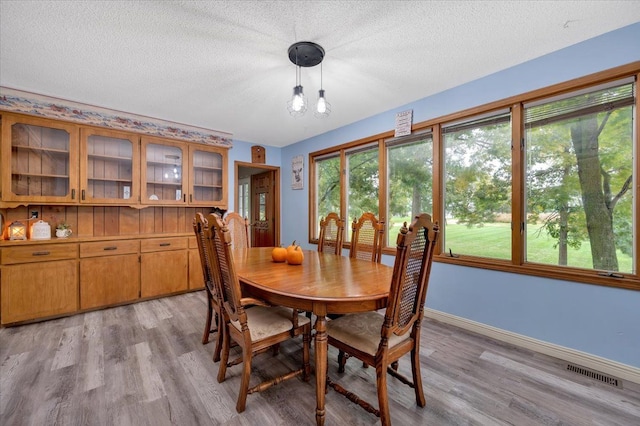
[[144, 364]]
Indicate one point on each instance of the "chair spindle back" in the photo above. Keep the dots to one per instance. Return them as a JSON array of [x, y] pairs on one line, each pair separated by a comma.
[[367, 234], [331, 234]]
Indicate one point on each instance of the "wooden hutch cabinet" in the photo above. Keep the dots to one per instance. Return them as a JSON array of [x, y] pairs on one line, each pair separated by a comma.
[[130, 200], [109, 172], [38, 281], [206, 176], [39, 160], [163, 179]]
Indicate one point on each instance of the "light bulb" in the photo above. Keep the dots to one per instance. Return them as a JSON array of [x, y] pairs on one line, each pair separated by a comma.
[[297, 103], [322, 105], [323, 108]]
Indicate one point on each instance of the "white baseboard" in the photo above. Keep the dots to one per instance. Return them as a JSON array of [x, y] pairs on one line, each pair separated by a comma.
[[616, 369]]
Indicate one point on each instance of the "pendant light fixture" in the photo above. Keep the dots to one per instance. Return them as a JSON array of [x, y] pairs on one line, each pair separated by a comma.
[[323, 108], [306, 54]]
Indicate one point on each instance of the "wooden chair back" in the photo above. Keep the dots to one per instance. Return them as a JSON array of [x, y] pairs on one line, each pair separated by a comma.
[[414, 256], [367, 234], [199, 226], [228, 285], [239, 230], [331, 234]]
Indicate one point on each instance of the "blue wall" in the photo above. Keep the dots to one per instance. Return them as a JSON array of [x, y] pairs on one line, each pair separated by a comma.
[[598, 320]]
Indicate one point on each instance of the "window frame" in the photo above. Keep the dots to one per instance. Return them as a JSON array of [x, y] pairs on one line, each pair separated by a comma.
[[515, 103]]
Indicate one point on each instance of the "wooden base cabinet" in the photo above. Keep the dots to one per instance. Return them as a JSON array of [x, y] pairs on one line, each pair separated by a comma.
[[164, 266], [196, 278], [109, 273], [38, 281]]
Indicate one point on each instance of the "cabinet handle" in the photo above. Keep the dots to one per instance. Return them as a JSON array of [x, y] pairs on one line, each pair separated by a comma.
[[83, 195], [191, 198], [110, 248], [165, 244], [41, 253], [73, 194]]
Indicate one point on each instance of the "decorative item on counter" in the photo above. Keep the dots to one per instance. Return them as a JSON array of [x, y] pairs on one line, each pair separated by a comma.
[[63, 230], [17, 231], [295, 256], [279, 254], [40, 230]]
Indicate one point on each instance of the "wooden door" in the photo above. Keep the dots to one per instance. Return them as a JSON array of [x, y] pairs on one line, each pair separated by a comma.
[[263, 209]]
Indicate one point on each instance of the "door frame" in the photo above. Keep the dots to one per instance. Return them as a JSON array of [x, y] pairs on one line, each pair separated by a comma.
[[276, 191]]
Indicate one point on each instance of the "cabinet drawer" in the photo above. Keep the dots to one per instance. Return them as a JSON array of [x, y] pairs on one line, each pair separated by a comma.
[[163, 244], [39, 253], [109, 248]]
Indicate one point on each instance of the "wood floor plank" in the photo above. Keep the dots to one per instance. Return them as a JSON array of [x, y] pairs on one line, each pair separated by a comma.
[[144, 364], [219, 406], [92, 360]]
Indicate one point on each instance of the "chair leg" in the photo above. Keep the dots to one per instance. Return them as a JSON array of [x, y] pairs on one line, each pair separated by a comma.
[[275, 349], [244, 383], [222, 369], [417, 377], [207, 325], [383, 400], [219, 340], [342, 359], [306, 345]]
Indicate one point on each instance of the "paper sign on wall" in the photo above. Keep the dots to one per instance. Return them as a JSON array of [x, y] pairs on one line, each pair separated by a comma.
[[403, 123], [297, 164]]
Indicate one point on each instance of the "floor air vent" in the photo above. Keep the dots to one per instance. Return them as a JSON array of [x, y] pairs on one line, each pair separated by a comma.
[[596, 375]]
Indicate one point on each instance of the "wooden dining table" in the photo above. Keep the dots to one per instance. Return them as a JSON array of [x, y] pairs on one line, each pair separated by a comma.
[[323, 284]]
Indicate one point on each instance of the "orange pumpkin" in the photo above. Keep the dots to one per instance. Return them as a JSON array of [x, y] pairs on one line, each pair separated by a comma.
[[292, 246], [295, 256], [279, 254]]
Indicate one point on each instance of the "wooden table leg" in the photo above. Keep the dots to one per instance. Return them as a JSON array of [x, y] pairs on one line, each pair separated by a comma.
[[321, 366]]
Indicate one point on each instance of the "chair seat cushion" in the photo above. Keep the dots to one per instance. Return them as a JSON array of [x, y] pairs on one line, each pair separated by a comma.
[[362, 331], [265, 321]]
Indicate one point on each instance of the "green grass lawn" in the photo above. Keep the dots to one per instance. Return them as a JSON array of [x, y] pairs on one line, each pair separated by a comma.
[[493, 240]]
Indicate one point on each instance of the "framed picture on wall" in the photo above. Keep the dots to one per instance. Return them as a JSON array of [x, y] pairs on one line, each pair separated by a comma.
[[297, 166]]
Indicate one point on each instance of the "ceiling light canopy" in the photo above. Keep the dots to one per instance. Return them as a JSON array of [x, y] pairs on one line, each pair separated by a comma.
[[306, 54]]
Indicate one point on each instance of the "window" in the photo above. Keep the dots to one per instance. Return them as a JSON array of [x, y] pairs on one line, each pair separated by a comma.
[[243, 199], [579, 179], [363, 180], [477, 196], [539, 184], [409, 180], [327, 178]]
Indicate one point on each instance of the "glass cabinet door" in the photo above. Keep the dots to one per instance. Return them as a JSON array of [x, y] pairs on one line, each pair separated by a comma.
[[206, 177], [39, 160], [109, 169], [163, 166]]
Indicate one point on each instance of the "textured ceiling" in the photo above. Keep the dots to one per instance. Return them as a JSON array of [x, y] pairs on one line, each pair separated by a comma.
[[224, 65]]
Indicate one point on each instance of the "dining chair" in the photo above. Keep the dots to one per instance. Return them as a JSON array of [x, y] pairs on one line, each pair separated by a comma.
[[367, 234], [381, 340], [331, 234], [200, 224], [253, 324], [239, 229]]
